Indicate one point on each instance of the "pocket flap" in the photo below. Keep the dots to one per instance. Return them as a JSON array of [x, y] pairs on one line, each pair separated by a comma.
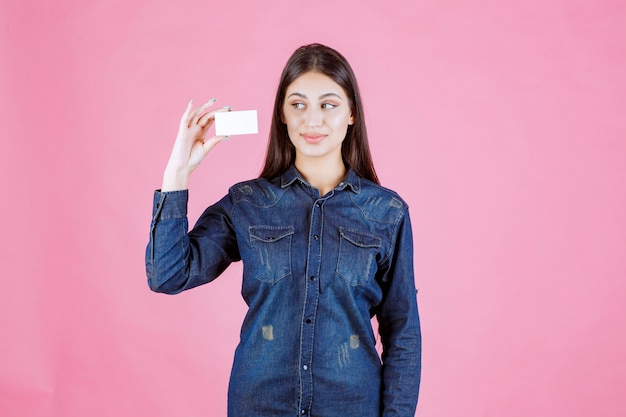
[[360, 239], [269, 233]]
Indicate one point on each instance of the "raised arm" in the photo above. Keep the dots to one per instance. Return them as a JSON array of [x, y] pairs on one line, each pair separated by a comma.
[[175, 260]]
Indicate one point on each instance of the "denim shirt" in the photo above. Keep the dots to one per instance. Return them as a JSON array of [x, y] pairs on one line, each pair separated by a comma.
[[315, 271]]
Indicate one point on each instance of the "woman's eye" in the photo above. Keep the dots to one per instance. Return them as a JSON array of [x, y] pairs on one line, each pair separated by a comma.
[[298, 105], [328, 106]]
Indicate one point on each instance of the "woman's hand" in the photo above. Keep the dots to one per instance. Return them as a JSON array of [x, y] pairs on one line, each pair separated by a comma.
[[191, 145]]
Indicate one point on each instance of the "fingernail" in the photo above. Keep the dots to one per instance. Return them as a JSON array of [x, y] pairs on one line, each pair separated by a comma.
[[227, 107], [213, 99], [225, 139], [190, 102]]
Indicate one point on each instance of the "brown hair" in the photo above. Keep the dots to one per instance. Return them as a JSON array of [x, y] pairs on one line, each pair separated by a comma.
[[355, 150]]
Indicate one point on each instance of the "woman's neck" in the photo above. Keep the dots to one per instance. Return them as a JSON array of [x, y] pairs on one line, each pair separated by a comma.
[[321, 173]]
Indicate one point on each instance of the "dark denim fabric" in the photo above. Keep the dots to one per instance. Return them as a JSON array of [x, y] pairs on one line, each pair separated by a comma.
[[315, 270]]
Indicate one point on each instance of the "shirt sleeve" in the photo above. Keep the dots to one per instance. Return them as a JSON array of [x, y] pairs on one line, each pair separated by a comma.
[[399, 328], [177, 260]]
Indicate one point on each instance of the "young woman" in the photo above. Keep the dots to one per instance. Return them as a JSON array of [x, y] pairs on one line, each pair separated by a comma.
[[324, 249]]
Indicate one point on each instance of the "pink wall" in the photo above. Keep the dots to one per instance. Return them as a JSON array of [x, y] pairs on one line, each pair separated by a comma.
[[501, 123]]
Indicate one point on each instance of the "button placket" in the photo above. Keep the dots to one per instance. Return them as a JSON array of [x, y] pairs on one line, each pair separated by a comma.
[[310, 305]]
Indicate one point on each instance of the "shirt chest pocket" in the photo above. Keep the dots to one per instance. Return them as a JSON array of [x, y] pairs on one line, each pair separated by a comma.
[[271, 251], [358, 253]]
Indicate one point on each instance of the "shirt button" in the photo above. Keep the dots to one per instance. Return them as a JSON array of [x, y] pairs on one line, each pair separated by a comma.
[[316, 237], [303, 412], [308, 321], [312, 278], [305, 367]]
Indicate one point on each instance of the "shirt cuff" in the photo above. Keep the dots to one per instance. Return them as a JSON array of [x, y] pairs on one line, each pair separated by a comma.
[[170, 205]]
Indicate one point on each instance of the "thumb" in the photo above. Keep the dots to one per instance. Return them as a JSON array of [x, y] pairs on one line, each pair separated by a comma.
[[209, 143]]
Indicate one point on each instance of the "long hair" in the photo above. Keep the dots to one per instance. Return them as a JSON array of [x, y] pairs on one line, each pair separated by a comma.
[[355, 150]]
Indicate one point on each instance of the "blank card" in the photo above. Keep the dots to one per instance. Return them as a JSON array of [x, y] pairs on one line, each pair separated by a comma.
[[236, 123]]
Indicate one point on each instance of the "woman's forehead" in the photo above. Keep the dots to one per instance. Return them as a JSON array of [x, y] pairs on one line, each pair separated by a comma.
[[314, 84]]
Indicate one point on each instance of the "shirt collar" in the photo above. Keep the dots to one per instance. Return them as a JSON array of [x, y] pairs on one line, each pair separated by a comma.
[[292, 175]]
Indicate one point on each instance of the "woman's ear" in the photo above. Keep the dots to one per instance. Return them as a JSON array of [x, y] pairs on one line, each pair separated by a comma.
[[351, 120]]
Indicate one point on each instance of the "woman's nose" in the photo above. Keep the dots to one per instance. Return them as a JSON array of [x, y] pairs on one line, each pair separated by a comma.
[[314, 117]]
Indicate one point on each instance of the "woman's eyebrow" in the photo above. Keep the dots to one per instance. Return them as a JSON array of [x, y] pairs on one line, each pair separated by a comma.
[[331, 95], [321, 97]]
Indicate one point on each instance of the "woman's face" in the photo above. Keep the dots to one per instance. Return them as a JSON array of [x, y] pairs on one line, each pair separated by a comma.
[[317, 114]]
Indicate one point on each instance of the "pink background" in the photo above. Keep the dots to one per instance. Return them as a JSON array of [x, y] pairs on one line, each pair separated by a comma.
[[501, 123]]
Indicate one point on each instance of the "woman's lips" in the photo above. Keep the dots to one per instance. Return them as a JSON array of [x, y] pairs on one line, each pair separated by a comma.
[[313, 138]]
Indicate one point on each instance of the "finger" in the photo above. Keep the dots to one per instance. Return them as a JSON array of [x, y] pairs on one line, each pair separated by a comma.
[[184, 120], [206, 119], [202, 118], [200, 110]]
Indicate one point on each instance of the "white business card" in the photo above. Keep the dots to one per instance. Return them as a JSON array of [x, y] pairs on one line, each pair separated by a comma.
[[236, 123]]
